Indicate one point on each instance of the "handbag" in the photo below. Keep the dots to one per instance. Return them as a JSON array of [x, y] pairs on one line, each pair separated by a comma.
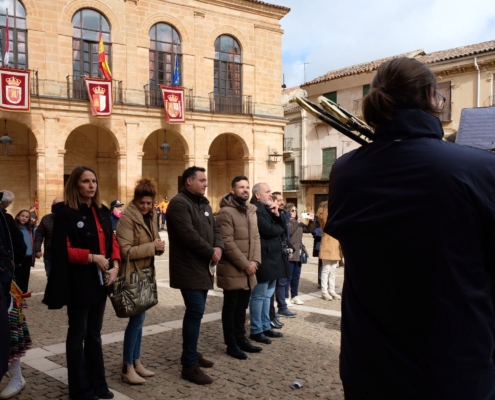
[[303, 255], [134, 293]]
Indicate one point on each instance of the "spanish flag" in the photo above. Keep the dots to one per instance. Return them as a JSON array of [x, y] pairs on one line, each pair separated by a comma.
[[102, 60]]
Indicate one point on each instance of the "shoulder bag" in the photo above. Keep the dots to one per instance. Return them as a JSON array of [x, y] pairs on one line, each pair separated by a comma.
[[134, 293]]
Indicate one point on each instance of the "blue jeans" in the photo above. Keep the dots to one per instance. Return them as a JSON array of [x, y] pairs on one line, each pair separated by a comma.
[[293, 280], [132, 338], [195, 302], [260, 306], [48, 266]]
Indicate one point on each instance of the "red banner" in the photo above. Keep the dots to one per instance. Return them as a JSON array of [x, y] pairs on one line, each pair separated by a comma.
[[173, 101], [14, 89], [100, 96]]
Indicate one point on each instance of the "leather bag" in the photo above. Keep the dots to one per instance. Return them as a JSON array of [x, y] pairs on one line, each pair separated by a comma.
[[134, 293], [304, 255]]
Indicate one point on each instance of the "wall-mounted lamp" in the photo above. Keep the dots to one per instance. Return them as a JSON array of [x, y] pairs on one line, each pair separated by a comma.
[[165, 147], [273, 156], [5, 140]]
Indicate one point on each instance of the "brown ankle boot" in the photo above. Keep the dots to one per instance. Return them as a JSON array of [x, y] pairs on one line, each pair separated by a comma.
[[195, 375], [141, 371], [129, 374], [203, 362]]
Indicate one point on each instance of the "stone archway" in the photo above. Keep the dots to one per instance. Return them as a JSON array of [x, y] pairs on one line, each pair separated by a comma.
[[96, 148], [18, 169], [227, 155], [165, 173]]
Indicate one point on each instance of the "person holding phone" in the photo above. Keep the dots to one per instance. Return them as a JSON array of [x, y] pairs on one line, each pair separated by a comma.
[[85, 261]]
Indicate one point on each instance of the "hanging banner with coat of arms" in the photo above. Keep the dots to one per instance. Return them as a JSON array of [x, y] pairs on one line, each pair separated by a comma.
[[14, 89], [100, 96], [173, 101]]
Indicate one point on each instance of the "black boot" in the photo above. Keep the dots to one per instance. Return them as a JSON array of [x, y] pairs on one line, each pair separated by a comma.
[[248, 347], [236, 352]]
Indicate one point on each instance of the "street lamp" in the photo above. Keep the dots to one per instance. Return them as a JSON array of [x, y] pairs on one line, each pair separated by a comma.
[[165, 147], [5, 140], [273, 156]]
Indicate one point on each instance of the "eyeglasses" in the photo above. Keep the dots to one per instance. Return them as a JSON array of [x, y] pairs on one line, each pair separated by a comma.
[[440, 100], [293, 211]]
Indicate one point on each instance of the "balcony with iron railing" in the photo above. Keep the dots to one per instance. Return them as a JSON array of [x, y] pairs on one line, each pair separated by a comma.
[[291, 183], [231, 104], [315, 172], [76, 89], [154, 97]]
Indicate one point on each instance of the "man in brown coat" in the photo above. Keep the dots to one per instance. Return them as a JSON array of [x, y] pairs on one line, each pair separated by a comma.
[[238, 225], [195, 243]]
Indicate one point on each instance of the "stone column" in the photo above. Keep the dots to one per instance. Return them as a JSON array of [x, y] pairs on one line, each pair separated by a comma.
[[249, 169], [43, 201], [122, 176]]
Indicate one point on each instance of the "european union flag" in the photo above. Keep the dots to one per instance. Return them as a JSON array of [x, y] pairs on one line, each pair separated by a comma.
[[176, 78]]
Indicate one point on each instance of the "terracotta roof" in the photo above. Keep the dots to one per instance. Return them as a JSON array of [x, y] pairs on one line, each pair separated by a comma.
[[291, 107], [458, 52], [359, 68], [290, 89], [269, 5]]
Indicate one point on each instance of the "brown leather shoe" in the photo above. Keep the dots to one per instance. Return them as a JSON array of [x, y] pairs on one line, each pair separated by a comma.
[[195, 375], [203, 362]]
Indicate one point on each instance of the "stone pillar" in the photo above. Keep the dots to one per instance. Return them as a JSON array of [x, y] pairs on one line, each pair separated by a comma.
[[103, 180], [50, 162], [200, 147], [122, 176], [134, 167], [249, 169], [43, 201]]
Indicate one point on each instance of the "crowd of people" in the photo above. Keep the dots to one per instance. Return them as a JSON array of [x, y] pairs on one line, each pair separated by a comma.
[[413, 215], [253, 245]]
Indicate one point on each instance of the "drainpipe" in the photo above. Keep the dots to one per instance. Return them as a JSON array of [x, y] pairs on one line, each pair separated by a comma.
[[479, 80]]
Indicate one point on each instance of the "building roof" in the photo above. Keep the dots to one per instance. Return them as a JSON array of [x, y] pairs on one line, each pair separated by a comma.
[[476, 127], [359, 68], [437, 56], [269, 5], [291, 107], [458, 52]]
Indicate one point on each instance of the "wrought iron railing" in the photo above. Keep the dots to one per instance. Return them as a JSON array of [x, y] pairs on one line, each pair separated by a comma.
[[291, 183], [34, 85], [154, 97], [288, 144], [76, 89], [231, 104], [315, 172]]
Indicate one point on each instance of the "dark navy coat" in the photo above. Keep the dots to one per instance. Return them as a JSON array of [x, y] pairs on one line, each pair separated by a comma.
[[415, 217]]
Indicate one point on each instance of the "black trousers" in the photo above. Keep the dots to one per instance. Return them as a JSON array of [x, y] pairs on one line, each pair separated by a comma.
[[84, 352], [235, 304], [22, 273]]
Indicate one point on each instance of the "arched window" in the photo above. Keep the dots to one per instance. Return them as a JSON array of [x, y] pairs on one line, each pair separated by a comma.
[[88, 24], [165, 47], [227, 68], [17, 33]]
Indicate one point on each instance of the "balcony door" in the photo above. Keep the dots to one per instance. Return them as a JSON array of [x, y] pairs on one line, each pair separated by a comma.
[[227, 76]]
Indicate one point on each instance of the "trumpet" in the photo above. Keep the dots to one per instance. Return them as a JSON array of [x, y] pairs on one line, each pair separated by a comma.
[[338, 118]]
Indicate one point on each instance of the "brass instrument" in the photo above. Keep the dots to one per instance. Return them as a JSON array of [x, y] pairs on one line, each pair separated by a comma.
[[338, 118]]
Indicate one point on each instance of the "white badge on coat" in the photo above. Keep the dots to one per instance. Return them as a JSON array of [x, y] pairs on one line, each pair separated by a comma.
[[80, 224], [207, 214]]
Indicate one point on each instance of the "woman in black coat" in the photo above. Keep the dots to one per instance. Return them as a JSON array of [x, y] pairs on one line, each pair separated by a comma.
[[86, 258]]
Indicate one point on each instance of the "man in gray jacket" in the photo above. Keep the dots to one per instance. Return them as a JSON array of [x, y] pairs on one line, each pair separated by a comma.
[[196, 246]]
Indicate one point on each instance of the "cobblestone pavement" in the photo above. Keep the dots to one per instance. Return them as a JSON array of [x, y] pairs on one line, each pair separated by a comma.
[[308, 352]]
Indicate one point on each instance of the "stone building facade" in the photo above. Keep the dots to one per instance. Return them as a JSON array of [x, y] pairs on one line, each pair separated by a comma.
[[465, 78], [230, 66]]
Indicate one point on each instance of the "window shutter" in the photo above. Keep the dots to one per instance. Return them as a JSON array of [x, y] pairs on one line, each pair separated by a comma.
[[329, 157], [331, 96], [366, 90]]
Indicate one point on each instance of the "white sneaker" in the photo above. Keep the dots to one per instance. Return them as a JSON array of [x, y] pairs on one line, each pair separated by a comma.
[[297, 300], [289, 303], [335, 295], [14, 387], [326, 296]]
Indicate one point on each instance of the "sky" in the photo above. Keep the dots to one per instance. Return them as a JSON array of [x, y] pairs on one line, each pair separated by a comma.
[[331, 34]]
